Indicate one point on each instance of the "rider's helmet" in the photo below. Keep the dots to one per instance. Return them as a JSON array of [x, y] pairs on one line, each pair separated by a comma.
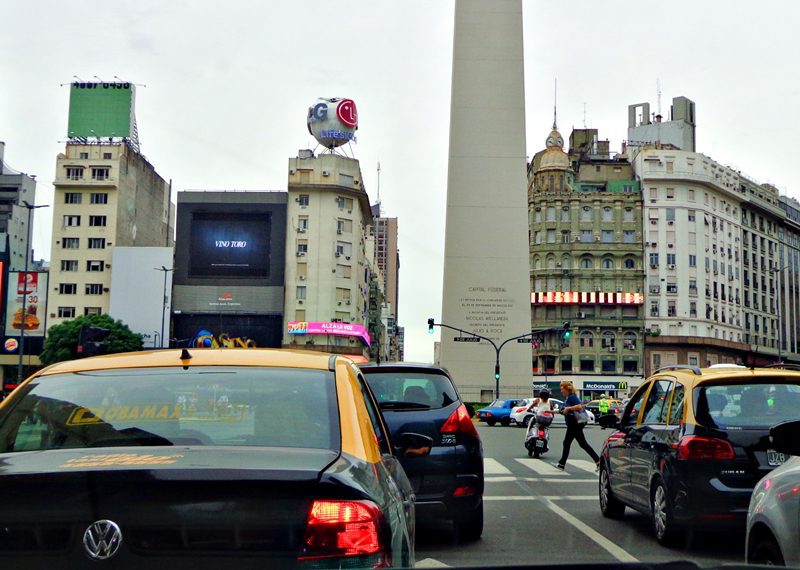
[[544, 394]]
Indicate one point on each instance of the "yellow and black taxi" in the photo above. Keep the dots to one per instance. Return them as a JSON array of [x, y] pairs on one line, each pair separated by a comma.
[[200, 459], [692, 444]]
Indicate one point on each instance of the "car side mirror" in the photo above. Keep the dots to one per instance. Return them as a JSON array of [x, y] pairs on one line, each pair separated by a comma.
[[608, 421], [413, 445], [785, 437], [470, 410]]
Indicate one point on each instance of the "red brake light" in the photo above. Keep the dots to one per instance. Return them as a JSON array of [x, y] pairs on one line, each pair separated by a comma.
[[696, 447], [459, 422], [343, 528], [541, 433]]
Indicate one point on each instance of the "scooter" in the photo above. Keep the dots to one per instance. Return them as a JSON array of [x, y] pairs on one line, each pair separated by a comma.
[[538, 434]]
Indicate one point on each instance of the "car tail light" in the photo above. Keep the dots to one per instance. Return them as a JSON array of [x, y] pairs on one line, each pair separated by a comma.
[[465, 491], [343, 528], [616, 410], [459, 422], [696, 447]]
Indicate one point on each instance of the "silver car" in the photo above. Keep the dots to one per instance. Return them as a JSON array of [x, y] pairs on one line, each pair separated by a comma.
[[773, 519]]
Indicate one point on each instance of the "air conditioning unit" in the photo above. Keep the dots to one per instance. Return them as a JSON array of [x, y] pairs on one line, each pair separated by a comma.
[[671, 266], [301, 230], [577, 238], [347, 258], [580, 315], [326, 173], [597, 238], [598, 289], [670, 245], [654, 244], [301, 277], [106, 289], [338, 254], [349, 211], [653, 266], [670, 222], [339, 232], [558, 264], [299, 301], [108, 265], [619, 289], [347, 302], [612, 349], [339, 303]]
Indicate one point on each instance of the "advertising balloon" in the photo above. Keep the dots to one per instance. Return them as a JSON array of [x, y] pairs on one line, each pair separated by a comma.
[[333, 122]]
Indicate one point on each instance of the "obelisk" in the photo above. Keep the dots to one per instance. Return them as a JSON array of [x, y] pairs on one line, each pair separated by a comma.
[[486, 263]]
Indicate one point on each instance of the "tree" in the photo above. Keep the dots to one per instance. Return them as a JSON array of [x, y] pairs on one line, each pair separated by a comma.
[[62, 340]]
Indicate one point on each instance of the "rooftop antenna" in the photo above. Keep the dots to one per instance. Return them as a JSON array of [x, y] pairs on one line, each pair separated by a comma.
[[658, 91], [584, 115], [379, 187]]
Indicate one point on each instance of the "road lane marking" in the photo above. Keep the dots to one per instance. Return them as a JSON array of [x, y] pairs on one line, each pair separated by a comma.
[[494, 467], [607, 545], [584, 464], [542, 467], [545, 497], [559, 480], [430, 563]]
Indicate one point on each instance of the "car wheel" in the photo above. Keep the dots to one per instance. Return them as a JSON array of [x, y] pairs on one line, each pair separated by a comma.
[[490, 422], [469, 526], [664, 525], [527, 421], [766, 551], [610, 506], [505, 422]]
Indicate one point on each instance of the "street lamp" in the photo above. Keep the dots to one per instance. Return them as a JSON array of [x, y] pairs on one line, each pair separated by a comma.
[[156, 338], [30, 208], [780, 298], [164, 300]]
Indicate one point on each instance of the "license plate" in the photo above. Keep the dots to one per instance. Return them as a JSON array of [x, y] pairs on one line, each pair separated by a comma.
[[539, 443], [774, 458]]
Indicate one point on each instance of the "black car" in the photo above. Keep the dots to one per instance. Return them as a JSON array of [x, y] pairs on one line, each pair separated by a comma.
[[449, 481], [198, 460], [692, 444]]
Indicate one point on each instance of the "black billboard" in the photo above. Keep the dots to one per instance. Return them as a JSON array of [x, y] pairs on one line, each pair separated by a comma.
[[230, 244], [227, 331]]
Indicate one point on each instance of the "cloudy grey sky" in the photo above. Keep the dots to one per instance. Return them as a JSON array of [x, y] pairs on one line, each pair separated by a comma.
[[229, 83]]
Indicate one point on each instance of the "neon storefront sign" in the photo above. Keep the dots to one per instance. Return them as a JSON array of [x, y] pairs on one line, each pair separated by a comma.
[[587, 297], [335, 329]]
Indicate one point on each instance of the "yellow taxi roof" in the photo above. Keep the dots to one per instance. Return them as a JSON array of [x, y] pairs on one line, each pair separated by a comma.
[[200, 357], [730, 374]]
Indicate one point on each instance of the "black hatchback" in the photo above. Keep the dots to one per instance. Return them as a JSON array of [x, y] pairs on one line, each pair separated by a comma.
[[692, 444], [448, 482]]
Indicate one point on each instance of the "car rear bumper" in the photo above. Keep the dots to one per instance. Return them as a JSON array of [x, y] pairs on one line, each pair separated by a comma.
[[711, 503], [449, 506]]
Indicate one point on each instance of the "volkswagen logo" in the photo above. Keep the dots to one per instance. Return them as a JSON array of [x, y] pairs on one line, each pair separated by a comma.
[[102, 539]]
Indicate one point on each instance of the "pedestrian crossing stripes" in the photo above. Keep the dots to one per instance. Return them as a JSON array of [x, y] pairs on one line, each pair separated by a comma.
[[542, 467], [494, 467], [584, 464], [496, 472]]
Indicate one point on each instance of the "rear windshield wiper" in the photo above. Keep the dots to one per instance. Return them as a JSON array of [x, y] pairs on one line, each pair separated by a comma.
[[395, 405]]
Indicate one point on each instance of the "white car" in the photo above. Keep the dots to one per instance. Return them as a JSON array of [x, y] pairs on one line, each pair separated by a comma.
[[523, 414], [519, 411], [773, 519]]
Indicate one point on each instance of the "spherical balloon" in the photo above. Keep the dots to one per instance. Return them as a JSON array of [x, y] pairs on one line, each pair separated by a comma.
[[333, 122]]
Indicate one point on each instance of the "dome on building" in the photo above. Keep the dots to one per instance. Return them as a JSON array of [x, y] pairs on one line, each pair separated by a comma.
[[554, 158]]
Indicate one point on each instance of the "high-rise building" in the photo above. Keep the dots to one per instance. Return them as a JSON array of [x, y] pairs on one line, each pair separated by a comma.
[[387, 260], [15, 188], [327, 267], [106, 195], [585, 212], [788, 280], [646, 129]]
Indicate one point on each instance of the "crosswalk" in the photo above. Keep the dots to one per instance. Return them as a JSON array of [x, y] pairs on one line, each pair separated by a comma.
[[496, 471]]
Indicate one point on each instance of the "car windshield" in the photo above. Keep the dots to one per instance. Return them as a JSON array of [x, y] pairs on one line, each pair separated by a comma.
[[228, 406], [407, 388], [757, 405]]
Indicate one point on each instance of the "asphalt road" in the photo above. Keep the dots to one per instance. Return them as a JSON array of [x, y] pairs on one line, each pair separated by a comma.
[[536, 514]]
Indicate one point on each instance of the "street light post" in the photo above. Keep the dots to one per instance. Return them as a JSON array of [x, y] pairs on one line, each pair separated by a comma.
[[30, 208], [164, 300]]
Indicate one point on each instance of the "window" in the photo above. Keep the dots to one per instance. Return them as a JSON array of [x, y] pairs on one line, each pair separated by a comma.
[[565, 214], [630, 366], [69, 265], [72, 198], [655, 410], [690, 194], [344, 271], [629, 340], [97, 243], [100, 173], [692, 260], [627, 215], [107, 156], [95, 265], [72, 221], [587, 340], [92, 310], [94, 288], [551, 214], [98, 198], [537, 237], [587, 364], [74, 174], [342, 295], [676, 405], [83, 155], [630, 264], [671, 257], [609, 339], [70, 243], [629, 236], [653, 259], [671, 311], [586, 263], [551, 236], [67, 288], [607, 236], [344, 248], [609, 364], [670, 191], [586, 236], [300, 315], [586, 214], [654, 310], [608, 263], [300, 292], [66, 312], [693, 309], [670, 214], [97, 221], [691, 216], [608, 214], [302, 246], [672, 288], [303, 199]]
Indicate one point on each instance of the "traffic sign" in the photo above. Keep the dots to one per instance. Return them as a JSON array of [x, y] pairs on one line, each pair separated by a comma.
[[466, 339], [524, 340]]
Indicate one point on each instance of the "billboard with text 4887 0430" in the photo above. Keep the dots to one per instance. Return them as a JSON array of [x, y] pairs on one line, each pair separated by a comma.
[[33, 286]]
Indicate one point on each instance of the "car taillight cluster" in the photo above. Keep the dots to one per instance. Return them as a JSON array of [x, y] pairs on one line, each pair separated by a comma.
[[697, 447], [459, 422], [343, 528]]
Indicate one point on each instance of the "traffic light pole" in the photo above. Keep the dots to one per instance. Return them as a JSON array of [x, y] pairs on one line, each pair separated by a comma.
[[497, 348]]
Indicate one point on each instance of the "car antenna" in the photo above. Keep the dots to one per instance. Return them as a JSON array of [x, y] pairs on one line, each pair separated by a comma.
[[185, 357]]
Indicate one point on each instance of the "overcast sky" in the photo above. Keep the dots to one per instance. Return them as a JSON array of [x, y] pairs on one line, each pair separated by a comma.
[[228, 85]]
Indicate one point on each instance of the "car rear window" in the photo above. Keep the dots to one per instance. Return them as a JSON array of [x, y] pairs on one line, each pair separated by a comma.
[[214, 405], [753, 405], [410, 389]]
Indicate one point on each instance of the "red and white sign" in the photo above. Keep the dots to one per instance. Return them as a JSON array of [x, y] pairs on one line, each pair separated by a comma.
[[346, 112], [10, 344], [585, 297]]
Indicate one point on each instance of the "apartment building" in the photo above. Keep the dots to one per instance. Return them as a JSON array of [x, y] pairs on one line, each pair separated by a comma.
[[15, 189]]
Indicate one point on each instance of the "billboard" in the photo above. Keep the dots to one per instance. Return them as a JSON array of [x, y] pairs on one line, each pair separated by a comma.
[[227, 331], [230, 244], [335, 329], [35, 288], [101, 110]]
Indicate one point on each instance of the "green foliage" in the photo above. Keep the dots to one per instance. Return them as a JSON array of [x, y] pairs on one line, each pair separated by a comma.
[[62, 340]]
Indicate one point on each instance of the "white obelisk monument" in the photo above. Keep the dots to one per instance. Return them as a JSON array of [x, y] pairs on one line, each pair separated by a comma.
[[486, 262]]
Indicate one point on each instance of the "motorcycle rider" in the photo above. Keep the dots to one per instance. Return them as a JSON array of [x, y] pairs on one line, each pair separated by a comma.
[[543, 410]]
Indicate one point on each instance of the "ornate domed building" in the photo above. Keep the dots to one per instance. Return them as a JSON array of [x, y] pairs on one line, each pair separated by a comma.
[[552, 169]]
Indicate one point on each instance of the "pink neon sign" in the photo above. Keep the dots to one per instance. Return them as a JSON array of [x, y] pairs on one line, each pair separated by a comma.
[[335, 329]]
